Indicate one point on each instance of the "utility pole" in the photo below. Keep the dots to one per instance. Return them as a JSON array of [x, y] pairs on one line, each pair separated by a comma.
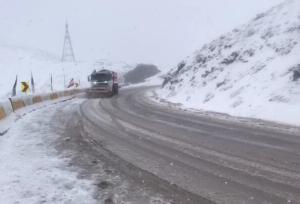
[[64, 78], [51, 83], [68, 53]]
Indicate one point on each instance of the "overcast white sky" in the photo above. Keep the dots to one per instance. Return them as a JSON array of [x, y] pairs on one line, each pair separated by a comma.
[[154, 31]]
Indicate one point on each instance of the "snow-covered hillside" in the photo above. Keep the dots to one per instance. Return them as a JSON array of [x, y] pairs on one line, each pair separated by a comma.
[[22, 61], [253, 71]]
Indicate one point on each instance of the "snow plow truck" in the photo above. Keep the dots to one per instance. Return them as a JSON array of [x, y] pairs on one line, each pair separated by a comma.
[[103, 83]]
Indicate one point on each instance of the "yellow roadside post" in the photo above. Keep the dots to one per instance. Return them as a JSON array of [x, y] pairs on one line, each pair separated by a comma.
[[25, 87]]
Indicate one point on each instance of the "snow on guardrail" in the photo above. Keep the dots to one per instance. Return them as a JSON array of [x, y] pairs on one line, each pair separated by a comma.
[[15, 103], [5, 108]]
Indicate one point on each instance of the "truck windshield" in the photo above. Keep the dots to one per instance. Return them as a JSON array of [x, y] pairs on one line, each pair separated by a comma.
[[101, 77]]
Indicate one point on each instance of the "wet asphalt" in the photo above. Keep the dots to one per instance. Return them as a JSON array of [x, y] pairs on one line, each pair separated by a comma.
[[185, 157]]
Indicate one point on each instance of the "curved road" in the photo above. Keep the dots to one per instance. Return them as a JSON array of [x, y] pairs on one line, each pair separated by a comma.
[[195, 158]]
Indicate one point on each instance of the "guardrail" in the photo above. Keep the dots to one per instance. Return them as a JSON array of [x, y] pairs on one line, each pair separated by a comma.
[[13, 104]]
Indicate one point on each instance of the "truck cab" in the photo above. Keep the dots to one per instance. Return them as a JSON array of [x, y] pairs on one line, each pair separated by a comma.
[[103, 82]]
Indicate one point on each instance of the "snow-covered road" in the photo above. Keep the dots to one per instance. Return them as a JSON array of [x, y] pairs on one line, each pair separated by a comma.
[[198, 157], [129, 149], [31, 170], [45, 158]]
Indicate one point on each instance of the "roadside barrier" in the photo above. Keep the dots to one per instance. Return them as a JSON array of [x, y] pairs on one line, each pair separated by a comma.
[[5, 108], [2, 113], [60, 94], [45, 97], [53, 96], [15, 103], [37, 99]]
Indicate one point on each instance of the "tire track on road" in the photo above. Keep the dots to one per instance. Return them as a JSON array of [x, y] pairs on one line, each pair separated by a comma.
[[136, 132]]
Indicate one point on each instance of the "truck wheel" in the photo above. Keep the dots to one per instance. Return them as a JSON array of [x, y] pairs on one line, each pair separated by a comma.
[[116, 90]]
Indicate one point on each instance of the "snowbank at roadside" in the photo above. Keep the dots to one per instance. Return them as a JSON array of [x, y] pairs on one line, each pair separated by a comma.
[[31, 171]]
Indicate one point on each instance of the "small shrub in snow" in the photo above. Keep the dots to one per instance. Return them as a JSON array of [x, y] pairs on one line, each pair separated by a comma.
[[212, 48], [180, 66], [268, 34], [174, 81], [237, 92], [200, 59], [193, 78], [279, 98], [227, 87], [221, 83], [296, 74], [250, 33], [249, 52], [228, 46], [293, 29], [237, 103], [257, 68], [282, 47], [236, 30], [208, 97], [208, 72], [231, 58], [259, 16]]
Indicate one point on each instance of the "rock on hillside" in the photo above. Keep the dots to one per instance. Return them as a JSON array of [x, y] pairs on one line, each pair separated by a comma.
[[140, 73], [252, 71]]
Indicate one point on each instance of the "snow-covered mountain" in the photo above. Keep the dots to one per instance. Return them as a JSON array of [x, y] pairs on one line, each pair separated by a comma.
[[253, 71], [22, 62]]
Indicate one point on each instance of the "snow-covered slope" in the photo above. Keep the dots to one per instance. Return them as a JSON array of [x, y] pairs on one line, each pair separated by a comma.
[[22, 61], [253, 71]]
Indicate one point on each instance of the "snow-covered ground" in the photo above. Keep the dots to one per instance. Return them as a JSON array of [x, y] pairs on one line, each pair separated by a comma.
[[31, 170], [252, 71]]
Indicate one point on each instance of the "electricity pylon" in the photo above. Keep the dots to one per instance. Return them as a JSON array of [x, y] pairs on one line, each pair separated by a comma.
[[68, 53]]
